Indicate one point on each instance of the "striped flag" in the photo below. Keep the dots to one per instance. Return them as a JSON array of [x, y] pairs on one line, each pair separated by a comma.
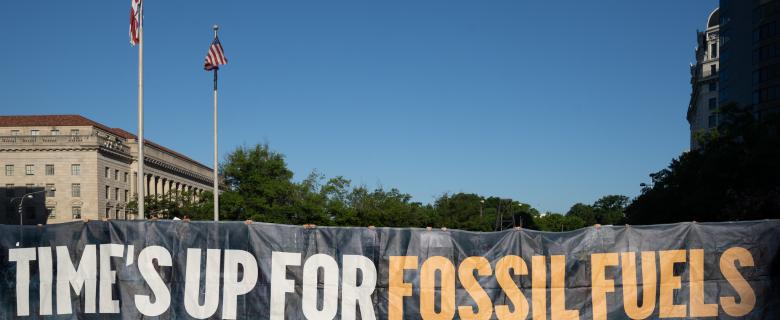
[[136, 20], [215, 57]]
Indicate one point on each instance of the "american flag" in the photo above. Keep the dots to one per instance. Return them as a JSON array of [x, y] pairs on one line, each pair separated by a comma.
[[215, 57], [136, 20]]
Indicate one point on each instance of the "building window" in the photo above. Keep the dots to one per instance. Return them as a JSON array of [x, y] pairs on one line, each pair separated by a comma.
[[50, 190], [9, 170], [49, 169], [35, 132], [116, 175], [116, 194], [76, 211], [75, 169], [75, 190], [75, 132], [714, 50], [125, 177], [50, 212], [55, 132], [9, 190], [713, 70], [713, 86], [14, 132], [116, 216], [712, 121], [108, 172], [29, 187], [713, 103], [126, 195], [108, 192], [108, 213], [29, 169]]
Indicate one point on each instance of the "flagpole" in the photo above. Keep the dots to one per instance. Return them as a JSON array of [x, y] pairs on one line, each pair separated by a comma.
[[216, 164], [141, 176]]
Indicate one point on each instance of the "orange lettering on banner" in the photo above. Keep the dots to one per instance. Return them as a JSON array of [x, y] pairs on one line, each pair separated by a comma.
[[558, 290], [696, 283], [747, 298], [513, 293], [670, 283], [539, 287], [398, 289], [428, 289], [630, 302], [600, 285], [470, 283]]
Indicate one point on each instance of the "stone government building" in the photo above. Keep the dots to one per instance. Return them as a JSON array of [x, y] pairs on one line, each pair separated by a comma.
[[93, 168]]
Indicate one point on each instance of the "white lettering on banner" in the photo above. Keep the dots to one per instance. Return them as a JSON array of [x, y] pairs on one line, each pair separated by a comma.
[[108, 277], [45, 274], [353, 294], [280, 285], [69, 276], [314, 287], [162, 297], [192, 284], [233, 287], [330, 287], [22, 257]]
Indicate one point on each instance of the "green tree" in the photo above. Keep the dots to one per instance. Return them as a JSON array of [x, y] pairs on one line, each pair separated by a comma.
[[259, 186], [606, 210], [585, 212], [386, 208], [557, 222], [735, 175], [462, 211], [173, 204], [611, 209]]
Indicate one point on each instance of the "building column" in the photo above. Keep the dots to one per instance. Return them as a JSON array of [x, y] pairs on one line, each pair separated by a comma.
[[148, 182], [161, 187], [133, 185]]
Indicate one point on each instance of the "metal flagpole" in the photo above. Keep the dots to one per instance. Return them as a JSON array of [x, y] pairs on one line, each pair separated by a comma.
[[216, 164], [141, 179]]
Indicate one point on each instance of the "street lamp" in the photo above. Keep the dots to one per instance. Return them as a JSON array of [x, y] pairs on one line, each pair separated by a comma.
[[481, 204], [28, 195]]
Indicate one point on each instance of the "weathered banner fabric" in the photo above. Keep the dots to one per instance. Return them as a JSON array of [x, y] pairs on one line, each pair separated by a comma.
[[233, 270]]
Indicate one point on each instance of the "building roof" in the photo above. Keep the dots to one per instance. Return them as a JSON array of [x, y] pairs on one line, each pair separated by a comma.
[[78, 120], [714, 18]]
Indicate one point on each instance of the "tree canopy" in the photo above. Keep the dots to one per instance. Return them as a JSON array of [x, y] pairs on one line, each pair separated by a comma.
[[735, 175], [259, 186]]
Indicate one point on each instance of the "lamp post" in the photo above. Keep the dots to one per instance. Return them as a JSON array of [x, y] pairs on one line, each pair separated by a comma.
[[520, 206], [21, 206]]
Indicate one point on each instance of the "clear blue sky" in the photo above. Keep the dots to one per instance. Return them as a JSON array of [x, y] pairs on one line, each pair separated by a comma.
[[548, 102]]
